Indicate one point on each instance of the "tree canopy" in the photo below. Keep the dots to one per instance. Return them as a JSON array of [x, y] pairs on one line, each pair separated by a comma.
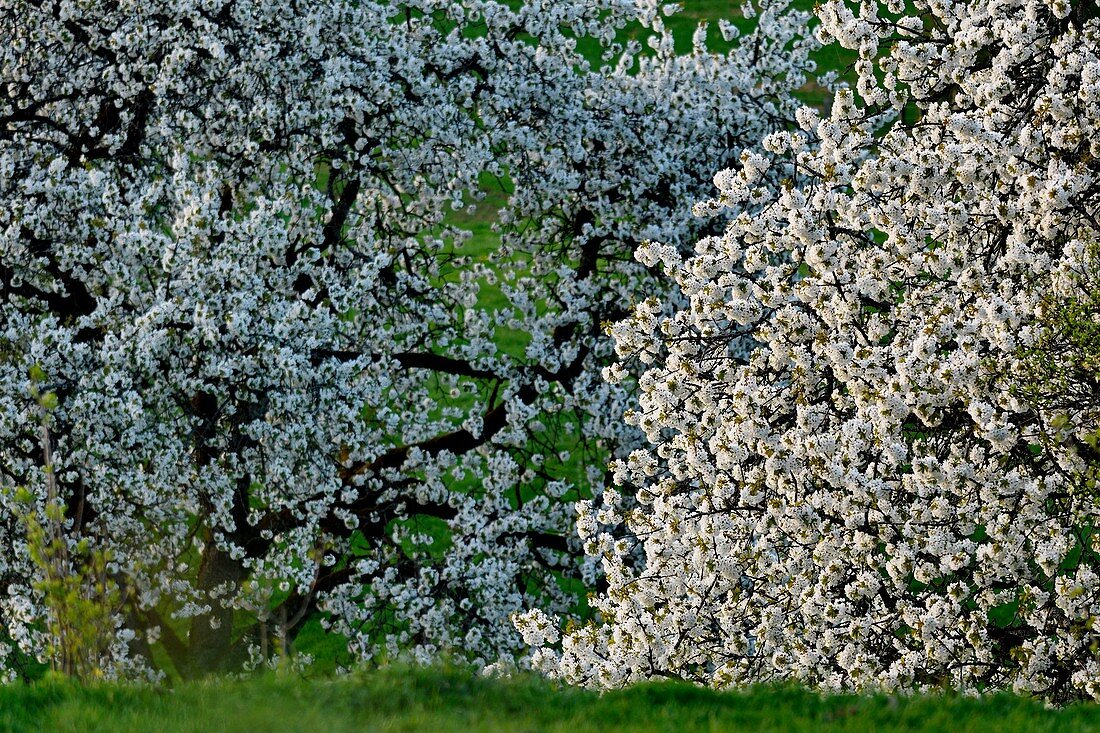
[[235, 248], [873, 422]]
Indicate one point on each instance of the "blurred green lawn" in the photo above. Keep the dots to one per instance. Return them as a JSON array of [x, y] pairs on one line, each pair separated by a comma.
[[439, 701]]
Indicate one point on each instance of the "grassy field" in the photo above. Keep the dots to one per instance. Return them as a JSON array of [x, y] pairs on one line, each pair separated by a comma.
[[402, 699]]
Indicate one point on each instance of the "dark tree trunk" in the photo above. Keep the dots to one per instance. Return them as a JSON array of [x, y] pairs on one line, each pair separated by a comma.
[[210, 641]]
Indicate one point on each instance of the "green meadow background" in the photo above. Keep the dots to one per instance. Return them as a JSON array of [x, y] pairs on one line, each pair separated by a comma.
[[442, 700]]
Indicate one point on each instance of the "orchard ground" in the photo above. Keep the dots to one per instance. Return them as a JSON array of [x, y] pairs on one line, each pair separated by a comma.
[[403, 699]]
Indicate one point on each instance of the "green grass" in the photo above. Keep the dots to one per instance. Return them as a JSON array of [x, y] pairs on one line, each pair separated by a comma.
[[403, 699]]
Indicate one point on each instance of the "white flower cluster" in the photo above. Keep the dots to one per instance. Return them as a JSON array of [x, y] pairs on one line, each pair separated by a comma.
[[845, 484], [232, 236]]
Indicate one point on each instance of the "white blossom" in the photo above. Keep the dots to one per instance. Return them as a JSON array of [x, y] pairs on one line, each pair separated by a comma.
[[847, 484], [236, 237]]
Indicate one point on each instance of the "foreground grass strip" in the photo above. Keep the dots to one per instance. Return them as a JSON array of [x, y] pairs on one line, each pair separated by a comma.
[[400, 699]]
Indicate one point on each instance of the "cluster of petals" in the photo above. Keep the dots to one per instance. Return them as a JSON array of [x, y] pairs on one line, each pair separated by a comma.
[[846, 482], [235, 235]]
